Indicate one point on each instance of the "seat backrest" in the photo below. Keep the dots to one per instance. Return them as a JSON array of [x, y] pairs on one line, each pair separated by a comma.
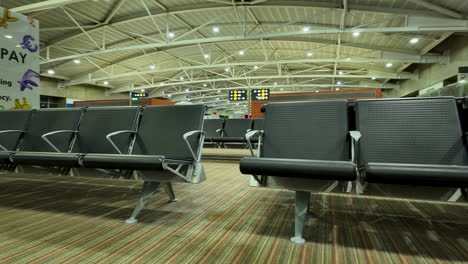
[[236, 127], [98, 122], [48, 120], [410, 130], [162, 129], [258, 123], [316, 130], [13, 120], [211, 125]]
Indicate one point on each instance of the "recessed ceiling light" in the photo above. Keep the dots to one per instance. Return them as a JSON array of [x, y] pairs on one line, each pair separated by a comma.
[[316, 91], [76, 61], [162, 84], [255, 67], [389, 65], [181, 78], [142, 90], [206, 56], [215, 29], [219, 91], [414, 40], [275, 83], [306, 28], [204, 85], [241, 52], [227, 69], [337, 89], [348, 58], [340, 73], [170, 34], [281, 89], [309, 54], [217, 99], [339, 82], [373, 78], [8, 36], [169, 95], [187, 90], [152, 67], [50, 71], [105, 82], [356, 34]]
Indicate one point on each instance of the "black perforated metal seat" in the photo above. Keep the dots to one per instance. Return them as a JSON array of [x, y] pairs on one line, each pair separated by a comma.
[[304, 140], [234, 131], [412, 141], [90, 137], [160, 137], [34, 149], [14, 125], [211, 128]]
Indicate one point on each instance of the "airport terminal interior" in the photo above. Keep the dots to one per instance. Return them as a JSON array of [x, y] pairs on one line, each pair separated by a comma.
[[234, 131]]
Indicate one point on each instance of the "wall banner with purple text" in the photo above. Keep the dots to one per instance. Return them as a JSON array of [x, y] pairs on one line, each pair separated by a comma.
[[19, 61]]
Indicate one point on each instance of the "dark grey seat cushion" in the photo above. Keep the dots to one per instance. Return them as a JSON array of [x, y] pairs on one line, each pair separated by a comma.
[[210, 126], [300, 168], [234, 130], [14, 120], [116, 161], [47, 158], [418, 174]]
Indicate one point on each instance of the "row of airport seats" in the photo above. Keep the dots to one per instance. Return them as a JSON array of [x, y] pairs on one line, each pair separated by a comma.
[[155, 144], [409, 141], [230, 131]]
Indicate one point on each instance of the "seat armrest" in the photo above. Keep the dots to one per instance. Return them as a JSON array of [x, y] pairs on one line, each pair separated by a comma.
[[110, 135], [196, 156], [44, 137], [355, 138], [220, 132], [249, 135]]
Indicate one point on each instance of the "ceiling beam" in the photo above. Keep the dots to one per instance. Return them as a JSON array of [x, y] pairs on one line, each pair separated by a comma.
[[44, 5], [437, 8], [416, 24], [208, 7], [391, 57]]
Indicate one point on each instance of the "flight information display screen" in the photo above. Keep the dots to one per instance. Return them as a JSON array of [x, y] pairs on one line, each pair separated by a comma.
[[237, 95], [261, 94], [139, 94]]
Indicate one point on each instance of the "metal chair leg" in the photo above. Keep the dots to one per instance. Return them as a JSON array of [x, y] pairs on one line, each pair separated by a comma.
[[149, 187], [168, 188], [302, 204]]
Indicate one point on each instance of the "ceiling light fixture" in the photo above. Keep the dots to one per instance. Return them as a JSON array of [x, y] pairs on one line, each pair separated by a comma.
[[306, 28], [187, 90], [339, 82], [105, 82], [241, 52], [215, 29], [255, 67], [348, 58], [170, 34], [181, 78], [337, 89], [309, 54], [76, 61], [204, 85], [414, 40], [373, 78], [340, 73], [356, 34], [50, 71], [142, 90], [162, 84], [227, 69], [8, 36], [389, 65], [152, 67], [206, 56]]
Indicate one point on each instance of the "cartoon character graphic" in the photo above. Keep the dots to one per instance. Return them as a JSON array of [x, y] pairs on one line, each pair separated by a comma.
[[26, 44], [26, 82], [7, 18], [24, 105]]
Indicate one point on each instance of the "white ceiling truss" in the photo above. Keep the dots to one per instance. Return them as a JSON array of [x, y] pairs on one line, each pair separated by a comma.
[[168, 46]]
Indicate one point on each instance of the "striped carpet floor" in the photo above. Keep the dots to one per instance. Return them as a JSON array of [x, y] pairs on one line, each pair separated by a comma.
[[51, 219]]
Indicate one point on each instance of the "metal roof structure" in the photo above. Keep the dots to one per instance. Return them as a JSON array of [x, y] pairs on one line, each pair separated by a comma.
[[196, 49]]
